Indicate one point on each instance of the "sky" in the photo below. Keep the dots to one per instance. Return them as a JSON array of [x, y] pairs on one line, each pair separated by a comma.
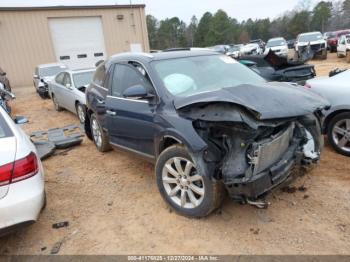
[[184, 9]]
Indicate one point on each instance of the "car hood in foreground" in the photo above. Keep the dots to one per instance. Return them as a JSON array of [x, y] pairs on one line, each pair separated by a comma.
[[268, 101]]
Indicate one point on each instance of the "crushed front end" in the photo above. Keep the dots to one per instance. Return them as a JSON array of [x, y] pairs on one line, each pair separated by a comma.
[[250, 156]]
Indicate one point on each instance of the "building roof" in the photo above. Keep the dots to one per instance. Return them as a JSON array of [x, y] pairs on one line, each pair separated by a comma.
[[68, 7]]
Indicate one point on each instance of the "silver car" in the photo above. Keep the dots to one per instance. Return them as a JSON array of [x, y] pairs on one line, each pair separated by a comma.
[[337, 122], [43, 74], [67, 91]]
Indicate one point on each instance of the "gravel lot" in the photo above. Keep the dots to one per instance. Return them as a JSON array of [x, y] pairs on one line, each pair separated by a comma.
[[113, 206]]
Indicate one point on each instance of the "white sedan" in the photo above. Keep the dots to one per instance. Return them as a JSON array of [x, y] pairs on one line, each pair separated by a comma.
[[22, 193], [67, 91]]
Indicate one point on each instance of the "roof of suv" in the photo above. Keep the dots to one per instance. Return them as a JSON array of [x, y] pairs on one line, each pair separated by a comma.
[[162, 55]]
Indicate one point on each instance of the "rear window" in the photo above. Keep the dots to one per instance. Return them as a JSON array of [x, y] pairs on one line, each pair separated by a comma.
[[51, 71], [82, 79], [5, 130]]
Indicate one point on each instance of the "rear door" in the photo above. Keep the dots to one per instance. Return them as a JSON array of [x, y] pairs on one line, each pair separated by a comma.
[[55, 86], [67, 90], [130, 122], [7, 153]]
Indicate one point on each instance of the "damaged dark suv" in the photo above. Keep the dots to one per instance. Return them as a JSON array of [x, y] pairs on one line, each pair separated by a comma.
[[208, 123]]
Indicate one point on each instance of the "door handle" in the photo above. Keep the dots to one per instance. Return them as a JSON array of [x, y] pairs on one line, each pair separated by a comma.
[[111, 113], [99, 101]]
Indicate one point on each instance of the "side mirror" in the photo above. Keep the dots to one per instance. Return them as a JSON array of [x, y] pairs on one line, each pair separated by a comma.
[[69, 86], [20, 120], [35, 76], [137, 92]]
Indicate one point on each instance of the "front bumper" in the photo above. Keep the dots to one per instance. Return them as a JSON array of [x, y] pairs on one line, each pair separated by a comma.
[[43, 89], [23, 203], [263, 182]]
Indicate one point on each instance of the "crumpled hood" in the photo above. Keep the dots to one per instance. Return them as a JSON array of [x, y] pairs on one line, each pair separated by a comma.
[[268, 101], [48, 78]]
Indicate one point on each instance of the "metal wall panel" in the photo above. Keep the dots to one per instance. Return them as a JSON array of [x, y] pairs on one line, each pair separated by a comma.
[[26, 38]]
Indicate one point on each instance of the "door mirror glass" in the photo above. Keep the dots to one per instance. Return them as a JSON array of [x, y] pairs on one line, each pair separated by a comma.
[[20, 120], [137, 91]]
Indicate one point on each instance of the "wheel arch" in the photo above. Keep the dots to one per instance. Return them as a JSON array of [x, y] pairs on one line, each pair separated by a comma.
[[171, 137], [329, 118]]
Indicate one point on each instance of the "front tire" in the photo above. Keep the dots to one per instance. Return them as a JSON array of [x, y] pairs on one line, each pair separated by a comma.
[[100, 138], [339, 133], [184, 186]]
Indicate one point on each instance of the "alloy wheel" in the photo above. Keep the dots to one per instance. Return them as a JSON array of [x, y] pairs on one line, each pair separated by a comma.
[[96, 132], [341, 134], [81, 113], [182, 183]]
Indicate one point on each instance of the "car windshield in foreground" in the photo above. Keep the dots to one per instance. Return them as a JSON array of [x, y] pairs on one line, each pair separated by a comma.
[[82, 79], [191, 75], [310, 37], [274, 43], [51, 71]]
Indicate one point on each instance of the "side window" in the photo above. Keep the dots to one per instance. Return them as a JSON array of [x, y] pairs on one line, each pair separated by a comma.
[[125, 76], [59, 78], [67, 80], [100, 74]]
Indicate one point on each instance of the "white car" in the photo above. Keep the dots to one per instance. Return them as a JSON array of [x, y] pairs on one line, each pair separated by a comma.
[[336, 125], [22, 193], [343, 49], [43, 74], [234, 51], [314, 40], [278, 45], [251, 49], [67, 91]]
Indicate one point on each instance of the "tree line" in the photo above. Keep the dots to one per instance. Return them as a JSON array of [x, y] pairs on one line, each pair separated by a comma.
[[220, 28]]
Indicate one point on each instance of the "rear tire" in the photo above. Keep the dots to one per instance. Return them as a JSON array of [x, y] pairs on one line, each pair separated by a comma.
[[338, 129], [81, 112], [56, 105], [185, 188], [100, 137]]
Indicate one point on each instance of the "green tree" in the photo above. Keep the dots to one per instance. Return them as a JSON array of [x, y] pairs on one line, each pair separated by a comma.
[[171, 33], [300, 22], [322, 13], [219, 30], [152, 28], [191, 31], [203, 29], [346, 14]]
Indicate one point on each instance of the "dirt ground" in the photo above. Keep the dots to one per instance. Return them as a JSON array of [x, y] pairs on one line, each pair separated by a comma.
[[113, 206]]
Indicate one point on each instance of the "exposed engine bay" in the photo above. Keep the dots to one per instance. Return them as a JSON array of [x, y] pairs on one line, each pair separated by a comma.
[[252, 156]]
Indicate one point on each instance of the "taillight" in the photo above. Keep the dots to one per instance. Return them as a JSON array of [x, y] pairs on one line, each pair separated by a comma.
[[19, 170], [5, 174]]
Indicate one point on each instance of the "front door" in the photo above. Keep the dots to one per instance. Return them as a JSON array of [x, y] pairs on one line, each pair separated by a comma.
[[130, 122]]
